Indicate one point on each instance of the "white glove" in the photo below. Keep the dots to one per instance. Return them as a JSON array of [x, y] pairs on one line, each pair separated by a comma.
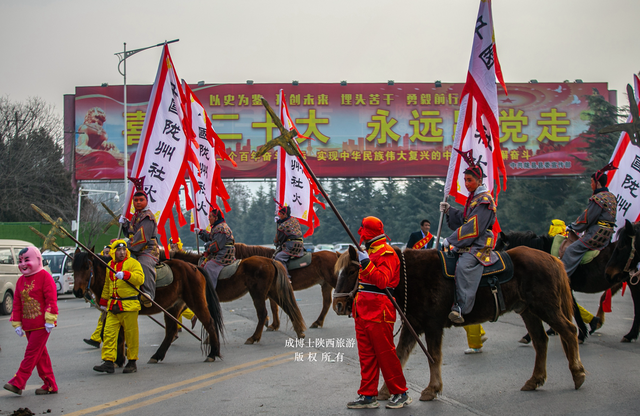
[[122, 219], [120, 275], [445, 242], [276, 218], [19, 331], [49, 327], [444, 207], [102, 308], [196, 230], [362, 255]]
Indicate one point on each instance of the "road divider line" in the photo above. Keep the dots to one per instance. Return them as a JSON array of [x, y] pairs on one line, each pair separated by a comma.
[[191, 388], [174, 385]]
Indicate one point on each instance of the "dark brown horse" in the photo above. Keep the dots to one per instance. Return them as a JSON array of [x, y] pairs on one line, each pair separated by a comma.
[[262, 278], [539, 291], [320, 271], [189, 289], [623, 261], [588, 278]]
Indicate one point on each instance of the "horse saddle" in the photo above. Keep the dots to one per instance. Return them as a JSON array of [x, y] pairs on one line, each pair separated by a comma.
[[492, 276], [502, 269], [300, 262], [164, 275], [560, 244], [229, 270]]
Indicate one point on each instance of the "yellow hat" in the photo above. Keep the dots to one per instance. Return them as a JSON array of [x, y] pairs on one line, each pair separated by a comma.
[[557, 227], [117, 244]]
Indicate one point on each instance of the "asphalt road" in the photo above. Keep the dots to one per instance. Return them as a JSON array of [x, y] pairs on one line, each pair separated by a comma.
[[266, 378]]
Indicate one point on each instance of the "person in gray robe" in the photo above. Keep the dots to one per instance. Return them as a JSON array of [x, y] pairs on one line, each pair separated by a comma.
[[596, 223], [288, 239], [472, 239], [219, 249]]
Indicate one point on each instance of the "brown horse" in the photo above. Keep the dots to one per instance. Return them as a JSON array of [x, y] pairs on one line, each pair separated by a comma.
[[623, 262], [320, 271], [588, 278], [539, 291], [262, 278], [188, 289]]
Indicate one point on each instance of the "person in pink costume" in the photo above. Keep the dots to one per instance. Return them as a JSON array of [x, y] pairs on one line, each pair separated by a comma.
[[35, 312]]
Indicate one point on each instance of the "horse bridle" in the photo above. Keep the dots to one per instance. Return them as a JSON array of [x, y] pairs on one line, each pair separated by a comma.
[[351, 294], [634, 277]]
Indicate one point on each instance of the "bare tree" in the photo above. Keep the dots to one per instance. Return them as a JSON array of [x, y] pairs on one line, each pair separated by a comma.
[[31, 162]]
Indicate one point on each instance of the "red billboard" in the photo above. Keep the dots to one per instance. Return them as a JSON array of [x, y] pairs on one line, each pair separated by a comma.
[[357, 130]]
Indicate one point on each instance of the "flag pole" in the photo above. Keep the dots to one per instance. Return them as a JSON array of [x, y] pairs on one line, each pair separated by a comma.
[[437, 245]]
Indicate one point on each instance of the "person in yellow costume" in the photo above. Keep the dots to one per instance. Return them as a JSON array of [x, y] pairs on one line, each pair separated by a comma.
[[122, 304], [475, 338]]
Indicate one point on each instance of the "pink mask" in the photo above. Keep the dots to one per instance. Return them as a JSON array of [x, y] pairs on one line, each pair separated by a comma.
[[29, 261]]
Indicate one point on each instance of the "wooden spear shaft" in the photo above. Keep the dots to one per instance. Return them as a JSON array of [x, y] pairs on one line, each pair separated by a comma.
[[357, 244], [68, 234]]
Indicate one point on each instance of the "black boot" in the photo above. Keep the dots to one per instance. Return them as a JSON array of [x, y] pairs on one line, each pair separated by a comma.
[[105, 367], [94, 344], [130, 367]]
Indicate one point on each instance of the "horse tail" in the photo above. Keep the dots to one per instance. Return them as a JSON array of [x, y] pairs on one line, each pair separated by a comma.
[[564, 294], [286, 297], [213, 304]]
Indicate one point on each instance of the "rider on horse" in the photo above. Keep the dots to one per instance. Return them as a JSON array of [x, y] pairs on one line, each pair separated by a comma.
[[143, 246], [288, 240], [473, 238], [219, 250], [596, 222]]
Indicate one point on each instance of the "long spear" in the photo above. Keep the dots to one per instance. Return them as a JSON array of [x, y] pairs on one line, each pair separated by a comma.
[[68, 234], [285, 140]]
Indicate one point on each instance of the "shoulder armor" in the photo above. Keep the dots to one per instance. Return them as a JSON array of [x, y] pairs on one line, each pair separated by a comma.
[[607, 201]]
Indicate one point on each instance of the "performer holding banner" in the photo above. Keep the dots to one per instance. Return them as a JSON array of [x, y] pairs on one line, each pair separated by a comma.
[[473, 238], [422, 239], [219, 250], [141, 231]]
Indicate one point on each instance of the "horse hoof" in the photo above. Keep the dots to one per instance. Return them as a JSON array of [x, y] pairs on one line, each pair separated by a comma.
[[249, 341], [152, 361], [301, 335], [531, 385], [579, 380], [427, 395], [209, 360], [271, 328], [317, 325], [625, 339]]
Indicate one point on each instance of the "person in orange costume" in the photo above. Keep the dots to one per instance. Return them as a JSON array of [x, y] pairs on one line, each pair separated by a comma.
[[375, 316]]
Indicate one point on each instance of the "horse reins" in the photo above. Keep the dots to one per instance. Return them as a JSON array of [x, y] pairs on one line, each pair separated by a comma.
[[404, 306], [627, 268]]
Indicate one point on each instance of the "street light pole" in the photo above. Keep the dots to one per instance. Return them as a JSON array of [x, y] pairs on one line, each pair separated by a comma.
[[122, 56]]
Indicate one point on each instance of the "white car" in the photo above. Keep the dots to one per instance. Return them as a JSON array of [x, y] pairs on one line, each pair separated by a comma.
[[341, 247], [61, 270], [328, 247]]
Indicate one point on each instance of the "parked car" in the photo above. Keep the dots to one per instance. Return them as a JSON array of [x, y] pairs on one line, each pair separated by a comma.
[[61, 270], [309, 247], [398, 244], [328, 247], [341, 247], [9, 272]]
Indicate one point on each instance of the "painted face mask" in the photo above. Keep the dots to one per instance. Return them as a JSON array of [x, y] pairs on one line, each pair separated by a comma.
[[29, 261]]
